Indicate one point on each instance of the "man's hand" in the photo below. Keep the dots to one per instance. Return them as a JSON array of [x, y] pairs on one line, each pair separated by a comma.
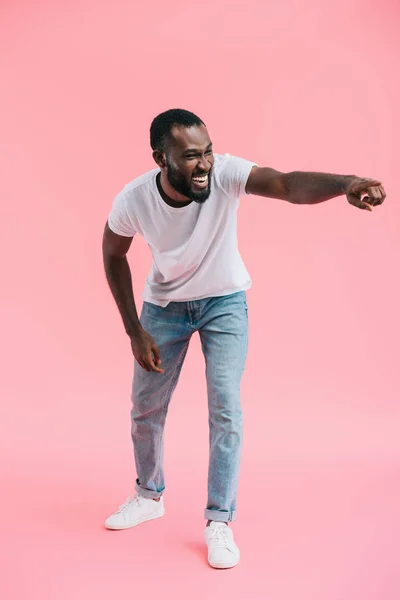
[[375, 193], [146, 351]]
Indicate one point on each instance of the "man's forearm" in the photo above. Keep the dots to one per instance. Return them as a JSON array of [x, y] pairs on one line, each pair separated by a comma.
[[313, 188], [119, 279]]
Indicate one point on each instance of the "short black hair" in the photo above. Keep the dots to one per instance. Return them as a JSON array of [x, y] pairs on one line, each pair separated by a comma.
[[162, 125]]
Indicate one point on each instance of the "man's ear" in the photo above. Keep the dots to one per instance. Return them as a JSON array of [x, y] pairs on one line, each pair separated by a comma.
[[159, 158]]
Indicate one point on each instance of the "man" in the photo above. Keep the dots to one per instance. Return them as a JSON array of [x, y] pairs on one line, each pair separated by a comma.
[[186, 211]]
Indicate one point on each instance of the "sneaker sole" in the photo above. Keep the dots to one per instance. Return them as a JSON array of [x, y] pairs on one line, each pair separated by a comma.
[[144, 520], [223, 565]]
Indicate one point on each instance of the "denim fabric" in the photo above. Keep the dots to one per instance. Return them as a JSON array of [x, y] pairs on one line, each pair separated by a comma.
[[222, 324]]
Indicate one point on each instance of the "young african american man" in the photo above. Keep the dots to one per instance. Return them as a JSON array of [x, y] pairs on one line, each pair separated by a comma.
[[186, 210]]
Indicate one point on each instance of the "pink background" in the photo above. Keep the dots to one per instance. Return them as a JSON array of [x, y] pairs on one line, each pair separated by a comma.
[[293, 85]]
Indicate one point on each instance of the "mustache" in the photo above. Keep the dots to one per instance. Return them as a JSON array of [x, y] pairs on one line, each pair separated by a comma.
[[201, 174]]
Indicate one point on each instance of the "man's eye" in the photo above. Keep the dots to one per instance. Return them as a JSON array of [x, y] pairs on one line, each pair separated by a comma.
[[193, 156]]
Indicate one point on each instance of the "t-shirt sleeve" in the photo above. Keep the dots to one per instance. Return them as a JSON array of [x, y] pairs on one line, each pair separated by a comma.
[[234, 174], [120, 219]]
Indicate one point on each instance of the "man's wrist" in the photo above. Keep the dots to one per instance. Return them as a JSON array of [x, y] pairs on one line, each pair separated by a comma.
[[133, 330], [347, 181]]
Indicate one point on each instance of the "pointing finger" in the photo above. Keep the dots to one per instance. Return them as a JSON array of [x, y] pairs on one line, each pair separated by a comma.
[[365, 184]]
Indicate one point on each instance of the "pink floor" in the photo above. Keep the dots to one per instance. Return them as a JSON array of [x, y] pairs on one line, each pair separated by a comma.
[[319, 510], [311, 531]]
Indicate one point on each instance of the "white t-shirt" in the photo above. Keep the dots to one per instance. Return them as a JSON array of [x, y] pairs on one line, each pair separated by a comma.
[[195, 247]]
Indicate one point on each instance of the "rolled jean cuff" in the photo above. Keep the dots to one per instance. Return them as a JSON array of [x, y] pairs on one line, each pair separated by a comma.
[[147, 493], [222, 516]]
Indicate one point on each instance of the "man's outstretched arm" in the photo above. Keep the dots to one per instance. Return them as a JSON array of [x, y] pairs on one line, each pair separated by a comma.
[[300, 187]]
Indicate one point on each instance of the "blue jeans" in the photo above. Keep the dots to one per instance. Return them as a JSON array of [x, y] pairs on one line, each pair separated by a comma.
[[223, 327]]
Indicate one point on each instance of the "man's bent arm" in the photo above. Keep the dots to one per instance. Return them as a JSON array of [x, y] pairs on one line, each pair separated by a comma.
[[118, 273]]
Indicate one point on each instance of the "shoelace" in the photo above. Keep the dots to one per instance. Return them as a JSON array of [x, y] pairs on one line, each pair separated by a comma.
[[219, 537], [135, 499]]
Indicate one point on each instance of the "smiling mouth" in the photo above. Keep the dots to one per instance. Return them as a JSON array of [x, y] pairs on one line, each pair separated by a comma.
[[201, 181]]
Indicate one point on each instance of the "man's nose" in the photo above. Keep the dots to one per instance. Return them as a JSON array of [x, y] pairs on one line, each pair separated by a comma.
[[204, 165]]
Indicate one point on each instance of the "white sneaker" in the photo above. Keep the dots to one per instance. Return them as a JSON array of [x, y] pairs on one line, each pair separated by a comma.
[[134, 511], [222, 550]]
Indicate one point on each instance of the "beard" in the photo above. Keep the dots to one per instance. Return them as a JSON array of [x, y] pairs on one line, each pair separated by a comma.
[[180, 184]]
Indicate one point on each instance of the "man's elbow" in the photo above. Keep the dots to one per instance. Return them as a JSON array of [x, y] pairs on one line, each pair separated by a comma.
[[114, 246]]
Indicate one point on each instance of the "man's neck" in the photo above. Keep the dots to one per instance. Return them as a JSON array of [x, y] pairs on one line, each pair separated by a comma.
[[178, 202]]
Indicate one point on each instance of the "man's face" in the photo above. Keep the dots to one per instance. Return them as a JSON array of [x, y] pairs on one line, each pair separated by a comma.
[[189, 162]]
